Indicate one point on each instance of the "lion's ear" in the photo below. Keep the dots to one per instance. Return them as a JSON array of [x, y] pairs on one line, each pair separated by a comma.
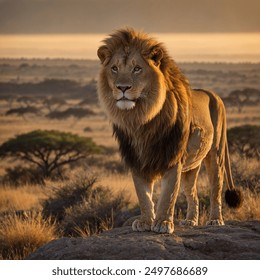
[[156, 54], [104, 54]]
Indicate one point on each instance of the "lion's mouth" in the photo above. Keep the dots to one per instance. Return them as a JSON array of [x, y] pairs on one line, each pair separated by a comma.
[[125, 103], [126, 99]]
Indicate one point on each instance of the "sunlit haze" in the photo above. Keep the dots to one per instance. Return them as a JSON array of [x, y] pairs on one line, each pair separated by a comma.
[[185, 47]]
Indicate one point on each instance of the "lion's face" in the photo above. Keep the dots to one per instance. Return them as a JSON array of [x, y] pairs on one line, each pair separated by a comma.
[[129, 79], [131, 83]]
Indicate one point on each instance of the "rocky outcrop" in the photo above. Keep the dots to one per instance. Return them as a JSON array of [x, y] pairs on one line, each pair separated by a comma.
[[235, 240]]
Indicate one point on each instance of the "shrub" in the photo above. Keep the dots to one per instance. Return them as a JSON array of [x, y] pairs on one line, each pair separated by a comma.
[[97, 213], [81, 208], [19, 176], [68, 195], [77, 113], [245, 140]]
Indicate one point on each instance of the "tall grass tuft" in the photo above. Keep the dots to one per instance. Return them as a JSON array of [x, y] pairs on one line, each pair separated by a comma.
[[20, 236]]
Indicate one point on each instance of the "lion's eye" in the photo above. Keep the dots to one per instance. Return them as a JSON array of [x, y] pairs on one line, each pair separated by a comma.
[[137, 69], [114, 69]]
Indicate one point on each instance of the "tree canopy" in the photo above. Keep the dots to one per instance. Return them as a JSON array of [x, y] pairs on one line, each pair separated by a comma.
[[48, 149]]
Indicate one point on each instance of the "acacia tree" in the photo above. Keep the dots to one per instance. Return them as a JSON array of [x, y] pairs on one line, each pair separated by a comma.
[[48, 149], [22, 111], [54, 103], [245, 97]]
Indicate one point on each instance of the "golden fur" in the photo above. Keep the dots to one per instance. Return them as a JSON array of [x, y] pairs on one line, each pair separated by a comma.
[[164, 129]]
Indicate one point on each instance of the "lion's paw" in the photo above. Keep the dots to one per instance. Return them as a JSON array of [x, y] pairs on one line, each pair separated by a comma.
[[188, 223], [140, 225], [163, 227], [216, 222]]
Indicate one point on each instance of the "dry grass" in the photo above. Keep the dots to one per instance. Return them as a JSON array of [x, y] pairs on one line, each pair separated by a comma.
[[19, 237], [250, 209], [22, 198], [246, 169], [120, 183]]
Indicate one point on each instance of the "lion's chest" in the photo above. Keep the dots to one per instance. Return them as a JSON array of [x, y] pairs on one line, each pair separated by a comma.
[[149, 154]]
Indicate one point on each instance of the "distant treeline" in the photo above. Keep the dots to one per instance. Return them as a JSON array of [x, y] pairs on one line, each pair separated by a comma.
[[69, 88]]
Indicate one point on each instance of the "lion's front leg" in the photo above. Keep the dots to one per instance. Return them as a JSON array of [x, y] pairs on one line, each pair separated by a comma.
[[189, 180], [144, 191], [170, 185]]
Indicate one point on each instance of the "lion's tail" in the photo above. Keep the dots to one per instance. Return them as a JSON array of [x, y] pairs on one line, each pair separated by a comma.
[[233, 196]]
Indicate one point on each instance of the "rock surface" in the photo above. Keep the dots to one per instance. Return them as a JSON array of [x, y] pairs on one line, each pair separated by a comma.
[[235, 240]]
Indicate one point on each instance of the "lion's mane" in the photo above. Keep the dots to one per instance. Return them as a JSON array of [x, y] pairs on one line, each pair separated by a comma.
[[149, 145]]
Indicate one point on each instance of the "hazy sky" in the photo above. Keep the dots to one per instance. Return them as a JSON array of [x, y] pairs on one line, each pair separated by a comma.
[[89, 16]]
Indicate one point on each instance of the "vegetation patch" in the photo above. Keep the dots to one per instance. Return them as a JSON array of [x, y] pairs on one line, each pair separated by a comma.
[[81, 208], [244, 140], [48, 150], [21, 236]]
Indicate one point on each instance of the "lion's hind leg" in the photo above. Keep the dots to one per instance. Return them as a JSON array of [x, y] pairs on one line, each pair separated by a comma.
[[189, 181], [215, 170]]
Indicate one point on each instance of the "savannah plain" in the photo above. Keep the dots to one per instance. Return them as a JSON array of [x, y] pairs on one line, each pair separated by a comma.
[[96, 193]]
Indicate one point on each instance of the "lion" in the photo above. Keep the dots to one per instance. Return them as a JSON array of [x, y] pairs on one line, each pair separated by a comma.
[[164, 129]]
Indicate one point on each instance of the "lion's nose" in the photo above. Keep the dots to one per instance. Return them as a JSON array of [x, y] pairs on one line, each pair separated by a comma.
[[123, 88]]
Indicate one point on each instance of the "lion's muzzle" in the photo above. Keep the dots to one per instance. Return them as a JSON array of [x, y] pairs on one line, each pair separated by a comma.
[[125, 103]]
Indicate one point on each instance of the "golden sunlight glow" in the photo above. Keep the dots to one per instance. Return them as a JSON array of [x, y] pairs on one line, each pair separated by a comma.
[[211, 47]]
